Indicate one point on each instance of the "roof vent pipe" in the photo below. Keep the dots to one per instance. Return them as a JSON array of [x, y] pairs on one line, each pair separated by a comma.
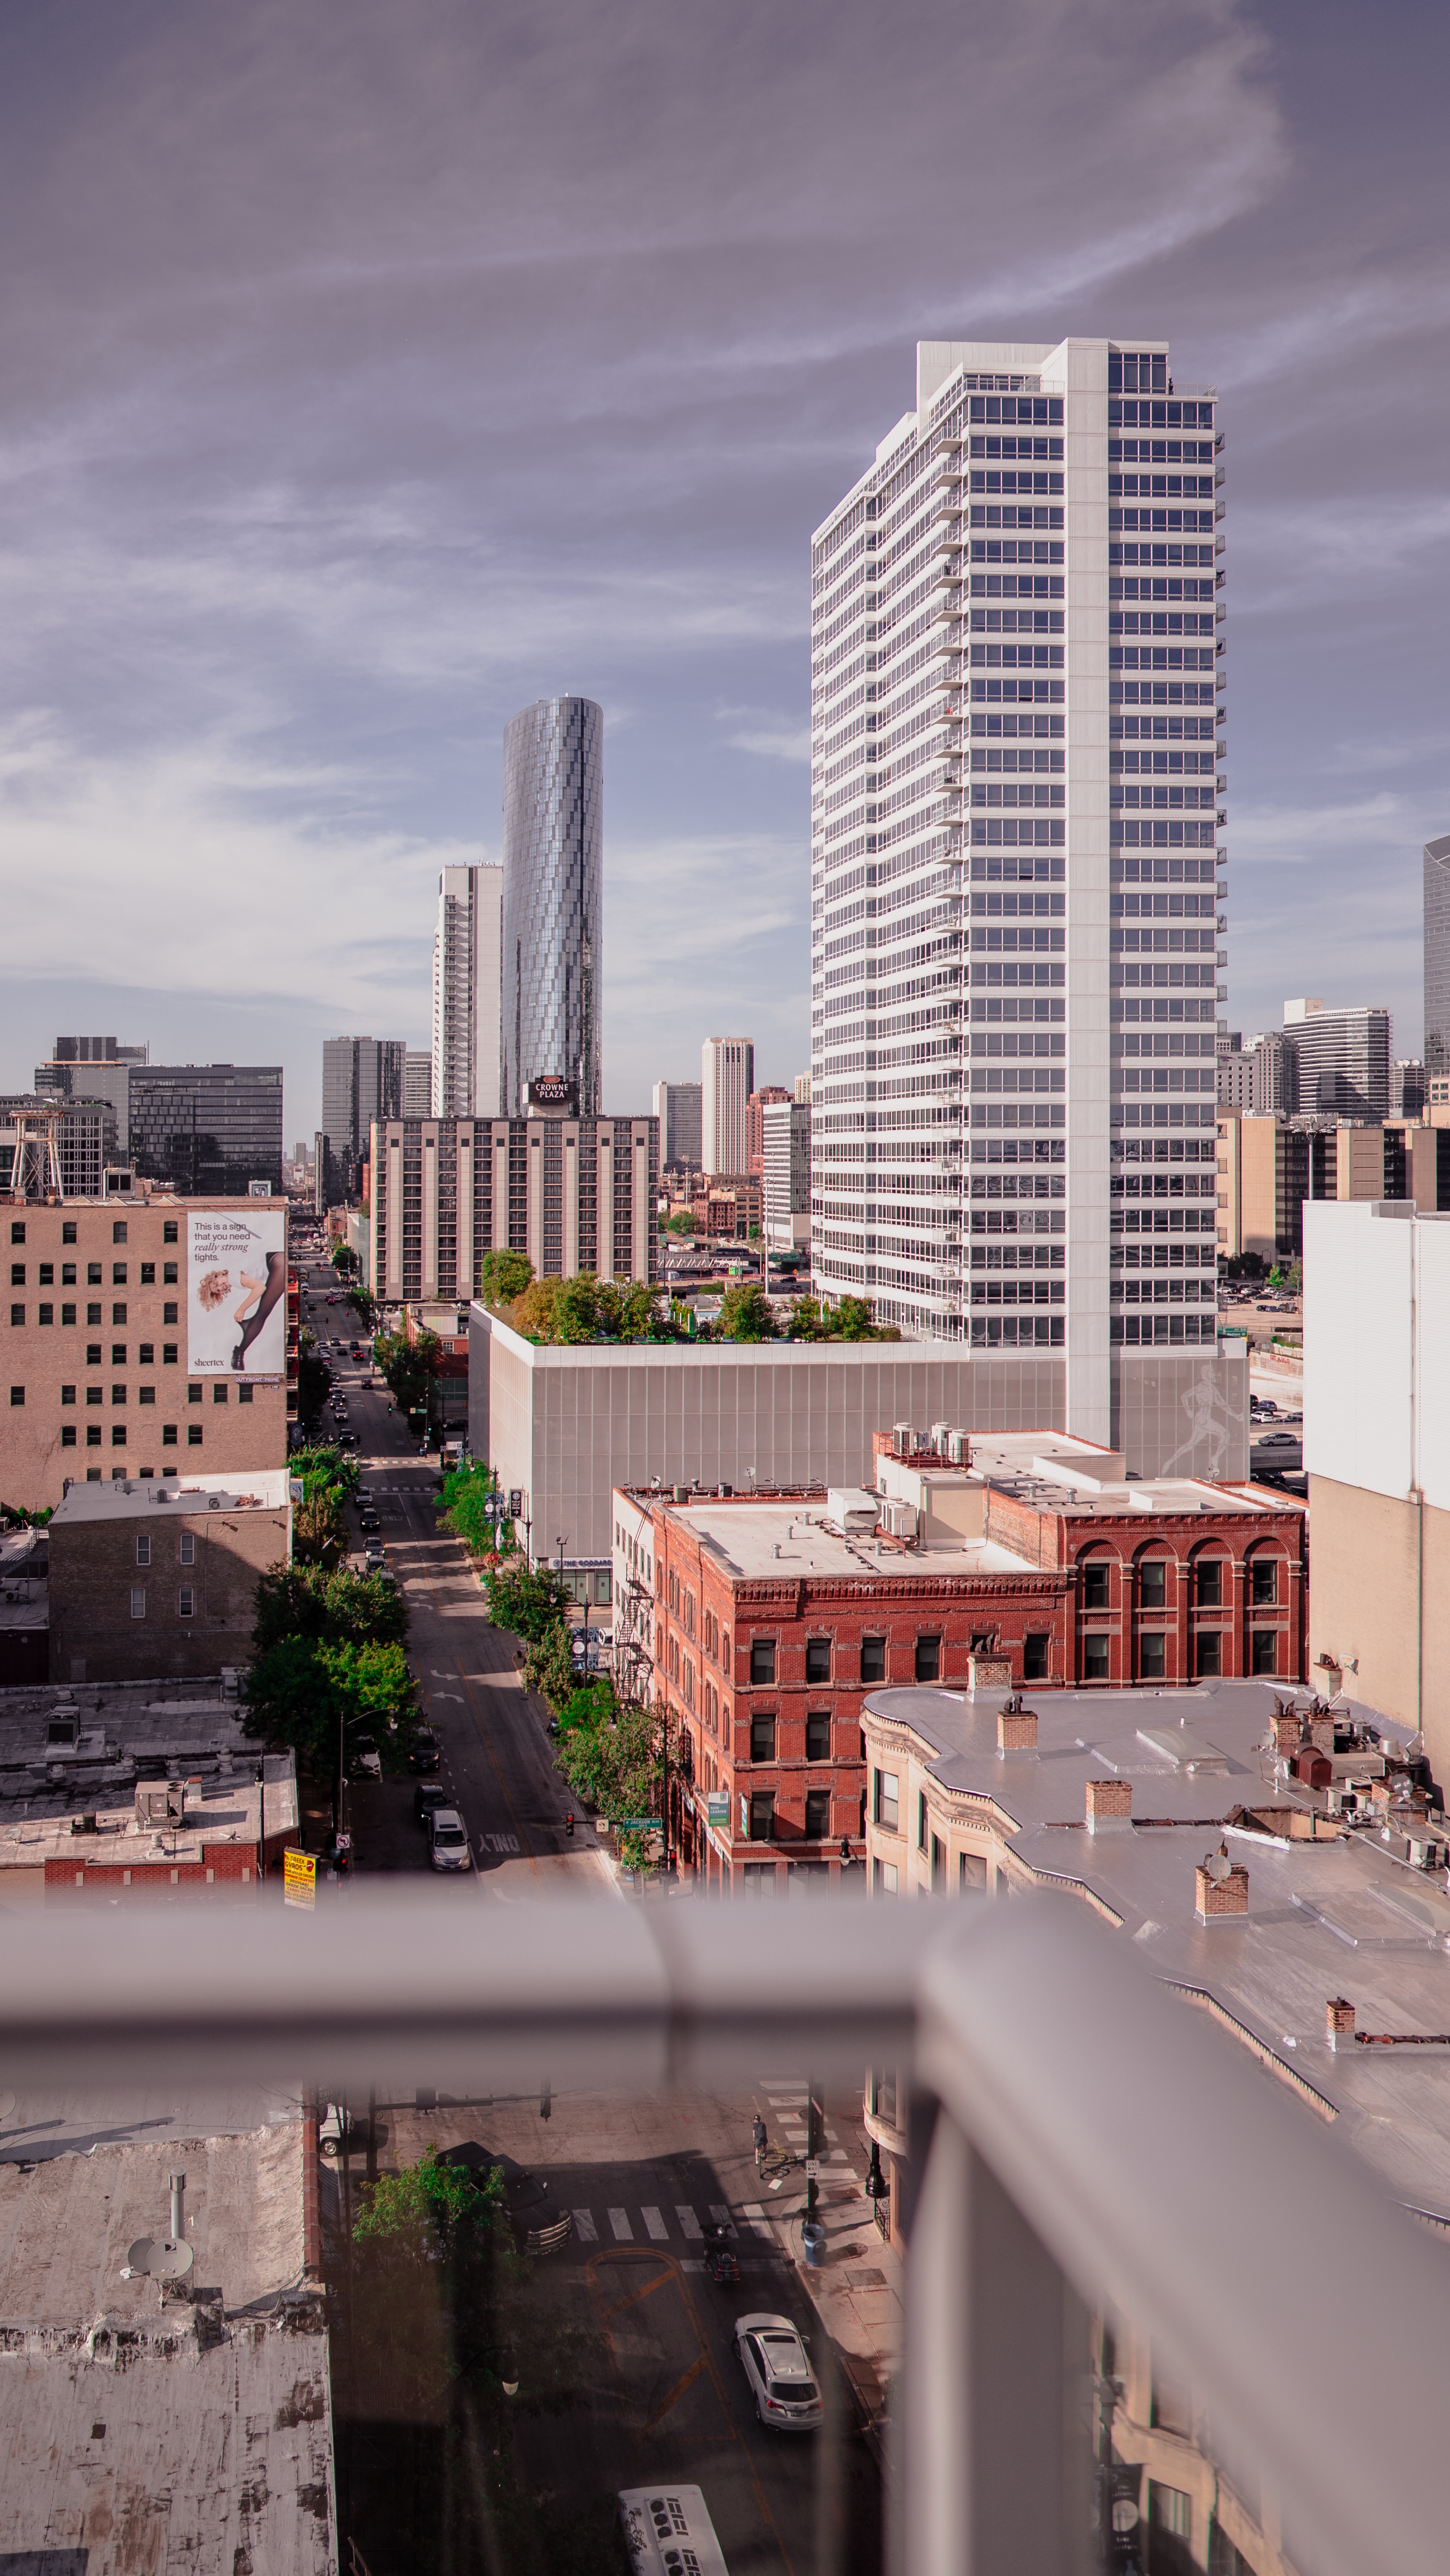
[[178, 2207]]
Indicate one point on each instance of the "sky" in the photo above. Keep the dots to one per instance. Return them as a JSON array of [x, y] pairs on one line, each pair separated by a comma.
[[371, 371]]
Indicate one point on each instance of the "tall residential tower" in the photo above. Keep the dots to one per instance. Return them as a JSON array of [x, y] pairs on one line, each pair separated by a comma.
[[467, 976], [553, 849], [1014, 873]]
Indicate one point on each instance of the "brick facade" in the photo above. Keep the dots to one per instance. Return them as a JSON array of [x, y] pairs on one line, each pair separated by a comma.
[[232, 1866], [159, 1590]]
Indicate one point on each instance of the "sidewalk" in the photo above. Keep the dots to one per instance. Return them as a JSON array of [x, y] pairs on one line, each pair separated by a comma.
[[856, 2288]]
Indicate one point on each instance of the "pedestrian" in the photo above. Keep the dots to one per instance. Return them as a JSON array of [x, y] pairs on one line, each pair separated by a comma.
[[761, 2141]]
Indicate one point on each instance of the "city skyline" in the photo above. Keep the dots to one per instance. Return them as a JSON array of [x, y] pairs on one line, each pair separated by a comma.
[[288, 706]]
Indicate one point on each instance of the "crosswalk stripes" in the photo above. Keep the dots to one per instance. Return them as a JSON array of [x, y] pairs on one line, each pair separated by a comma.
[[584, 2227], [753, 2210], [619, 2221], [689, 2224], [653, 2223], [655, 2226]]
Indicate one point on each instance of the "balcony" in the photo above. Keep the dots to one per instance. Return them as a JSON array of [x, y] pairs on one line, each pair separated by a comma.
[[1093, 2169]]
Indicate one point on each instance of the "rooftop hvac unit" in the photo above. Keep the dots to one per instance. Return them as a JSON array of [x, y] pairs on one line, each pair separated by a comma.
[[902, 1439], [939, 1431], [959, 1449]]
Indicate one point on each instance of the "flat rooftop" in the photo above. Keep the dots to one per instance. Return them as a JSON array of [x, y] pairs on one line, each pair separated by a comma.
[[134, 1498], [1056, 1473], [1327, 1917], [52, 1736], [753, 1539], [221, 1806]]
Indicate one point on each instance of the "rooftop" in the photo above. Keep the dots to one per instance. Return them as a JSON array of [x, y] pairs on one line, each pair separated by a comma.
[[253, 1489], [141, 1821], [785, 1539], [1059, 1473], [1342, 1914], [81, 1733]]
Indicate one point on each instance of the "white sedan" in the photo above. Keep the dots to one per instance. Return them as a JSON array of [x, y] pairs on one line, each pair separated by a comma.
[[773, 2358]]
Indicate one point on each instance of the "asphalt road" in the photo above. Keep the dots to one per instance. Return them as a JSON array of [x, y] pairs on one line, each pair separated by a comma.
[[495, 1751]]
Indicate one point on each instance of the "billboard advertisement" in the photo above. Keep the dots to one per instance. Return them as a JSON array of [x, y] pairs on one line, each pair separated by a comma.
[[236, 1301]]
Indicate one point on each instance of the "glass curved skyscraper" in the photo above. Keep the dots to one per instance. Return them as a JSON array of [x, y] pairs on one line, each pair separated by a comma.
[[553, 792]]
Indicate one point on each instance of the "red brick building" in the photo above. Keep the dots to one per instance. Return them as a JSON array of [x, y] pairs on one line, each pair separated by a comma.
[[757, 1627], [755, 1107]]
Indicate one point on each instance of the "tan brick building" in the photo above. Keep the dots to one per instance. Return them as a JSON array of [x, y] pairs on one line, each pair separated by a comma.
[[94, 1377], [150, 1580]]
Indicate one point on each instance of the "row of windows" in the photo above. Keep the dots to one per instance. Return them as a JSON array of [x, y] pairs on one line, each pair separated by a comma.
[[185, 1548], [170, 1436], [170, 1230], [45, 1274], [818, 1737], [144, 1394], [185, 1601]]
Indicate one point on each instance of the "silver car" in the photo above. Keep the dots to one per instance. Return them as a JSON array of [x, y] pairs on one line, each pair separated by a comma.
[[450, 1840], [773, 2358]]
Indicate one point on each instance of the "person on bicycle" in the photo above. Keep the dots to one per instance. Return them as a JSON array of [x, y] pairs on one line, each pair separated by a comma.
[[761, 2140]]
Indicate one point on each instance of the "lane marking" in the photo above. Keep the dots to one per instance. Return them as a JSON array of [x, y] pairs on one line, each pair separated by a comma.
[[584, 2227], [619, 2221], [655, 2225], [689, 2224], [686, 2380]]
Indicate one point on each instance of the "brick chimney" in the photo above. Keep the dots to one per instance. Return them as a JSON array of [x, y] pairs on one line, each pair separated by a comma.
[[1287, 1730], [1109, 1806], [1016, 1727], [1221, 1888], [1339, 2023]]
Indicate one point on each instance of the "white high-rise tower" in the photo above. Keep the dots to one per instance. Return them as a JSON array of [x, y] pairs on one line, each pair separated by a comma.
[[1014, 878], [727, 1079], [468, 994]]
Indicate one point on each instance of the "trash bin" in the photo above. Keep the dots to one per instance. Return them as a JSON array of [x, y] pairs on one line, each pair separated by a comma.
[[813, 2241]]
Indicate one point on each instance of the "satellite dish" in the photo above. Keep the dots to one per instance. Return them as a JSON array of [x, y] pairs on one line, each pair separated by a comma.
[[161, 2256]]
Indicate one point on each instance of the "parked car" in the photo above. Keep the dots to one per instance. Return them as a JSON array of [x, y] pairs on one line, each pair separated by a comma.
[[428, 1798], [338, 2129], [368, 1758], [450, 1840], [424, 1753], [1278, 1440], [773, 2357]]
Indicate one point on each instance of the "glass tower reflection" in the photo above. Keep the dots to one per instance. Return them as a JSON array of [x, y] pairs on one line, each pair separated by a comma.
[[552, 898]]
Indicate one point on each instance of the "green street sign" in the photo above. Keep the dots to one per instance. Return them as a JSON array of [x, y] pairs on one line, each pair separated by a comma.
[[639, 1824]]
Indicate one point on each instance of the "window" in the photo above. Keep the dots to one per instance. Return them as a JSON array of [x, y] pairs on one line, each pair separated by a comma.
[[168, 1230], [93, 1435], [762, 1661], [885, 1877], [93, 1274], [971, 1869], [146, 1355], [67, 1435], [93, 1314], [1209, 1583], [921, 1820], [1152, 1646], [1095, 1659], [193, 1435], [138, 1600], [46, 1274], [1095, 1584], [762, 1816], [1264, 1651], [118, 1354], [17, 1395], [67, 1274], [168, 1355], [118, 1274], [884, 1808], [17, 1230], [762, 1739], [244, 1396], [1208, 1651], [1169, 2511], [193, 1395], [145, 1394], [118, 1313], [169, 1314], [143, 1551], [93, 1393], [818, 1659], [1265, 1579], [67, 1314], [818, 1735], [118, 1230], [68, 1231], [1036, 1649], [219, 1391], [873, 1659], [938, 1865], [45, 1314], [93, 1354], [118, 1435], [17, 1315], [185, 1601], [1153, 1584], [168, 1437], [818, 1815], [67, 1395], [928, 1659], [148, 1274], [17, 1274], [983, 1640], [118, 1395], [186, 1550]]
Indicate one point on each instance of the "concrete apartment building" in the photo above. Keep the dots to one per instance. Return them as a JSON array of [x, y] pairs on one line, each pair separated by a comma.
[[1377, 1455], [466, 1061], [566, 1424], [1016, 874], [118, 1341], [771, 1095], [727, 1079], [160, 1578], [572, 1193], [677, 1107], [785, 1163]]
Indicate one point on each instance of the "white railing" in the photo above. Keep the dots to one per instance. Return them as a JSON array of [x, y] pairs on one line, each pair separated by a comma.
[[1080, 2141]]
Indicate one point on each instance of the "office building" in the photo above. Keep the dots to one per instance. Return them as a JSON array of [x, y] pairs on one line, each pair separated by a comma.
[[1437, 955], [208, 1129], [786, 1174], [1409, 1088], [417, 1101], [1269, 1167], [677, 1107], [1014, 862], [133, 1348], [574, 1194], [1341, 1059], [83, 1134], [802, 1089], [553, 896], [362, 1079], [94, 1068], [566, 1423], [755, 1107], [1377, 1454], [727, 1079], [1258, 1080], [466, 1066]]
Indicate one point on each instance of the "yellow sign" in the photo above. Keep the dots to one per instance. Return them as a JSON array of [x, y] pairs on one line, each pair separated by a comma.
[[299, 1878]]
